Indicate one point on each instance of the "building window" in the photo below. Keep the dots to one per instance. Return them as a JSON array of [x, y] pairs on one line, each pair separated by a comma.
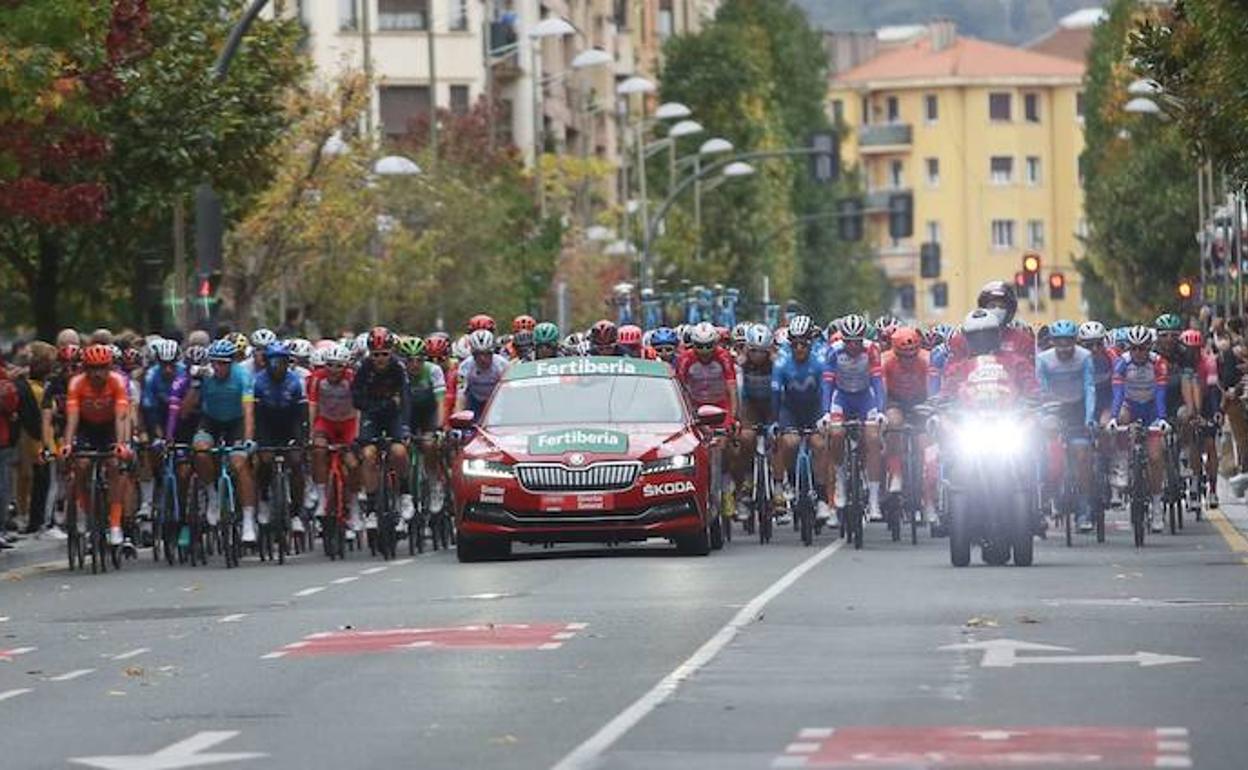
[[895, 172], [347, 19], [619, 13], [931, 108], [933, 232], [999, 107], [893, 109], [459, 99], [838, 112], [1079, 105], [933, 172], [866, 110], [400, 105], [1002, 234], [1033, 170], [667, 20], [1001, 168], [1031, 107], [1035, 234], [401, 14], [457, 16]]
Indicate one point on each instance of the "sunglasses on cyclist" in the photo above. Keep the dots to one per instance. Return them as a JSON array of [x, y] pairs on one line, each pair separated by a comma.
[[711, 346]]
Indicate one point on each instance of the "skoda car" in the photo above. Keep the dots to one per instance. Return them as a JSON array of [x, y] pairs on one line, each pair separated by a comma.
[[585, 450]]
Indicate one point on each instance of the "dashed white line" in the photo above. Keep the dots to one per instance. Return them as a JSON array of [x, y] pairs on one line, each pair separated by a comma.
[[1172, 762], [132, 653], [71, 675], [576, 626], [4, 618], [550, 646], [273, 655], [809, 733], [233, 618], [403, 562], [310, 591], [802, 748], [1181, 746], [344, 580], [1171, 732], [372, 570], [563, 635], [17, 651], [14, 693]]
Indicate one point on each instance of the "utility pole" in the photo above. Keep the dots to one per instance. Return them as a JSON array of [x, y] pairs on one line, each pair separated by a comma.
[[366, 36], [433, 89]]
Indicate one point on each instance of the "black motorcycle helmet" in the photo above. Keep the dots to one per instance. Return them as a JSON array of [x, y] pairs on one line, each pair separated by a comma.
[[995, 292]]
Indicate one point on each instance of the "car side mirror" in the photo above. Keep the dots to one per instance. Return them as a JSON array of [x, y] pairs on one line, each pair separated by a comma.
[[710, 416], [463, 420]]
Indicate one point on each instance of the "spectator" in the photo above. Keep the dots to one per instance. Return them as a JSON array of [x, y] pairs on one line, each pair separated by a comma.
[[34, 474], [9, 404]]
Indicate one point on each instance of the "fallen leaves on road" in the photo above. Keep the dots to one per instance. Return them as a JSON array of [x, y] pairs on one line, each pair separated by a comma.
[[134, 671], [978, 622]]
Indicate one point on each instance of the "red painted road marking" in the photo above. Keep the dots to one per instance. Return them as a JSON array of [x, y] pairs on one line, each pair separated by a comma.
[[491, 636], [8, 655], [935, 748]]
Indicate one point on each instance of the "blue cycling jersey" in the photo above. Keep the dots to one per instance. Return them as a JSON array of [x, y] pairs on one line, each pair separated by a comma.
[[800, 391], [154, 400], [221, 398], [1068, 381], [278, 395]]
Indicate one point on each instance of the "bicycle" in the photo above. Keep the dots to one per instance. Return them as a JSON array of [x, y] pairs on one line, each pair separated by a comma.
[[1137, 484], [229, 529], [1172, 492], [855, 511], [760, 502], [907, 505], [275, 535], [1101, 496], [441, 524], [384, 539], [97, 514], [171, 519], [334, 523], [806, 497], [1068, 495]]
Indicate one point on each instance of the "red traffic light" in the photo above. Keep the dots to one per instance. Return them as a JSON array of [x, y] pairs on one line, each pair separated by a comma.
[[1031, 263], [1057, 281], [1020, 279], [205, 288], [1186, 290]]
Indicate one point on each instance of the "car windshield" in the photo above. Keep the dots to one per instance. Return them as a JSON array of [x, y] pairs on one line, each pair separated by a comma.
[[582, 399]]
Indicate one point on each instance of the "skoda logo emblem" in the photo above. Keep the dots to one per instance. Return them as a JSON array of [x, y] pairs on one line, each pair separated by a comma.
[[576, 459]]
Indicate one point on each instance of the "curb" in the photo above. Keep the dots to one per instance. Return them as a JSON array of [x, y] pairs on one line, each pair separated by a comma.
[[31, 553]]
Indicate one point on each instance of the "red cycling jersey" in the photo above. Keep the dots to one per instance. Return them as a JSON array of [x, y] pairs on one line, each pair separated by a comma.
[[98, 406], [906, 377], [708, 382]]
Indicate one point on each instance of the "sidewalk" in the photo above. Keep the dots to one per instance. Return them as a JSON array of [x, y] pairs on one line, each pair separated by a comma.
[[1235, 510], [32, 550]]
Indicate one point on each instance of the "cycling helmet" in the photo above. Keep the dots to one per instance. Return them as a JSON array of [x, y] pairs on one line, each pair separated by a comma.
[[572, 344], [239, 339], [906, 341], [131, 358], [522, 340], [411, 347], [69, 354], [197, 355], [222, 350], [300, 349], [380, 338], [97, 355], [546, 333], [338, 355], [800, 327], [1139, 337], [603, 333], [664, 336], [1091, 331], [853, 327], [437, 348], [782, 335], [117, 355], [930, 338], [324, 344], [165, 351], [481, 321], [276, 349], [999, 291], [262, 338], [1063, 329], [739, 333], [630, 335], [359, 346], [703, 335], [1192, 338], [885, 325], [1168, 322], [481, 341], [318, 358], [758, 337], [944, 330], [523, 323], [982, 331]]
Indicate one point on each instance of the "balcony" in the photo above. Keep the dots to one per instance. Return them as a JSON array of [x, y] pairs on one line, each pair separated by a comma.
[[504, 53], [876, 201], [884, 138]]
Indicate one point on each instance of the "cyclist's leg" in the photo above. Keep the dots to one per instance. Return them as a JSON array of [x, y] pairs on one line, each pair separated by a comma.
[[894, 445], [786, 451], [821, 467]]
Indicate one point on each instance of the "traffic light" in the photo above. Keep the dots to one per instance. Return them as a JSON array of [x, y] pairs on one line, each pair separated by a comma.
[[825, 164], [1187, 290], [1022, 284], [929, 260], [1057, 286], [900, 215], [1031, 265], [849, 221]]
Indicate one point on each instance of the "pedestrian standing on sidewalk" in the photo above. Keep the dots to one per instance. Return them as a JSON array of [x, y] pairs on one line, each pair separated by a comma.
[[9, 404], [42, 357]]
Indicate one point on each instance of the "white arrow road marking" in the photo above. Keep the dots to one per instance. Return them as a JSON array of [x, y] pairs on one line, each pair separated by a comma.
[[1003, 653], [181, 754], [71, 675]]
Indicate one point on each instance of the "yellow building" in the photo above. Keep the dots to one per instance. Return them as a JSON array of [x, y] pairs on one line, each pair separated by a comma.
[[987, 138]]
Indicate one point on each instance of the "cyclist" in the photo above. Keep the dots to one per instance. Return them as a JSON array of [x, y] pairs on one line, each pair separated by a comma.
[[546, 341], [630, 342], [707, 371], [227, 417], [855, 372], [754, 372], [666, 343], [1066, 375], [604, 339], [906, 370], [97, 419], [381, 393], [1140, 384], [800, 396], [166, 381], [334, 419], [479, 374], [438, 350], [1202, 397], [998, 297], [281, 415], [427, 389], [260, 341]]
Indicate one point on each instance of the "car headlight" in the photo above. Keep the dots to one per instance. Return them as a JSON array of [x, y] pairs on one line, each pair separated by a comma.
[[665, 464], [985, 438], [487, 469]]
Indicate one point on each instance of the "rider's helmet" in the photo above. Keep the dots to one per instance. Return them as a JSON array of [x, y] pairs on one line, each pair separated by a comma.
[[982, 331], [853, 327], [1139, 337], [338, 355], [931, 338], [546, 333], [262, 338], [603, 333], [664, 337], [380, 338], [683, 331], [481, 341], [97, 355], [165, 351], [437, 348], [630, 335], [300, 349], [481, 321], [131, 358], [944, 330], [1063, 329], [197, 355], [69, 354], [411, 347], [703, 335], [1168, 322], [739, 333], [1192, 338], [275, 350], [1091, 331], [239, 339], [906, 341], [359, 346], [758, 337], [995, 292], [523, 323], [885, 325], [800, 327], [222, 350]]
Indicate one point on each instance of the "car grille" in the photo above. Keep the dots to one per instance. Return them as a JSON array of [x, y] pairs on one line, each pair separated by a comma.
[[599, 477]]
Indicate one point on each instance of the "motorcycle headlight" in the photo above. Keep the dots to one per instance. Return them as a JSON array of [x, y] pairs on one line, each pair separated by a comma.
[[665, 464], [487, 469], [985, 438]]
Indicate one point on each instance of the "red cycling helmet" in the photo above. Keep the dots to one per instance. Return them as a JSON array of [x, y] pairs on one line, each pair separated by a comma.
[[69, 354], [437, 348], [1192, 338], [131, 358], [906, 341], [603, 333], [480, 321], [97, 355], [630, 335], [523, 323], [380, 338]]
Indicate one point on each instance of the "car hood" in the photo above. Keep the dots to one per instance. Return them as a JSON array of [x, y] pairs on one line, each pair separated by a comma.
[[589, 441]]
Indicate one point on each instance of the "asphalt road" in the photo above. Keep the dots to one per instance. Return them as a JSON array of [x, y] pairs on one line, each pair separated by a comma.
[[756, 657]]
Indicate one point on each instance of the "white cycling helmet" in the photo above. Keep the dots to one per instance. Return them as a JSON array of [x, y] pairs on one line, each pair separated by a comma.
[[853, 327], [800, 326], [338, 354], [739, 332], [758, 337], [164, 351], [1139, 336], [481, 341], [317, 359], [1091, 331], [359, 346], [262, 338], [300, 349], [703, 334]]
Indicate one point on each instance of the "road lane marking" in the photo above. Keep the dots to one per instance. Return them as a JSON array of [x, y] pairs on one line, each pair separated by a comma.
[[344, 580], [1171, 732], [1233, 537], [587, 754], [372, 570], [815, 732], [403, 562], [273, 655], [4, 618], [310, 591], [7, 655], [132, 653], [185, 753], [71, 675], [233, 618], [1004, 653], [14, 693]]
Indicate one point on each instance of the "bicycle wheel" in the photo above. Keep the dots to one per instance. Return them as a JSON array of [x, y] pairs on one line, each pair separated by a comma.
[[279, 513], [806, 517]]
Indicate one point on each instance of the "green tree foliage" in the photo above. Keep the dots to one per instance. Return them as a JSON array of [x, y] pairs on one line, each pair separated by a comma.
[[1139, 184]]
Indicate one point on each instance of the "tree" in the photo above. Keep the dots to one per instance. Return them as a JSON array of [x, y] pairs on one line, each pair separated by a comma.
[[1140, 199]]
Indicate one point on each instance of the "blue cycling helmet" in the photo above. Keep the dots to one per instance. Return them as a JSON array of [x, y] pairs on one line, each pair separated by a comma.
[[276, 350], [1063, 329], [222, 350], [664, 336]]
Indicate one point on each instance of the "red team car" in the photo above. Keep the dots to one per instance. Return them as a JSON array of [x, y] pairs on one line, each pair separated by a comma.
[[585, 450]]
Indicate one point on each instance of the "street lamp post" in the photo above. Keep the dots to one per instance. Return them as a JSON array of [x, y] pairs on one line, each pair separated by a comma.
[[714, 146], [638, 86]]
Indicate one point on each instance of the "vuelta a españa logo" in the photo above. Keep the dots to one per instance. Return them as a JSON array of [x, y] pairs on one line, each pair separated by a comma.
[[556, 442]]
